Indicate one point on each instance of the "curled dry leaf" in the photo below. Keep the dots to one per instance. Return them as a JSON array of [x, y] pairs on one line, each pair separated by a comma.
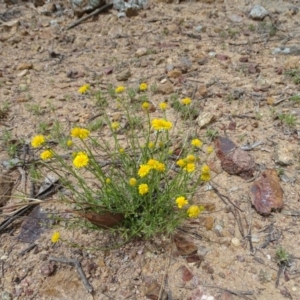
[[266, 193]]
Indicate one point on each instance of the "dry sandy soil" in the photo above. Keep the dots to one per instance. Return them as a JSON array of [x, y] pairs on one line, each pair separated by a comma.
[[211, 51]]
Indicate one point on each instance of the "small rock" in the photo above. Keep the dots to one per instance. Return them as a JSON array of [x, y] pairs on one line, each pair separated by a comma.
[[6, 296], [141, 52], [235, 18], [154, 290], [165, 88], [266, 193], [205, 119], [244, 59], [270, 100], [24, 66], [174, 73], [184, 246], [258, 13], [123, 76], [208, 223], [23, 73], [235, 242], [203, 91], [284, 154], [48, 268]]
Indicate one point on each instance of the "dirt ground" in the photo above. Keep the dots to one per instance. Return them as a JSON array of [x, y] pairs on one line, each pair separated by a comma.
[[210, 51]]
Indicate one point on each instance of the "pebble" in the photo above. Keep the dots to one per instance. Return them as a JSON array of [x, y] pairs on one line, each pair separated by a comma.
[[258, 13], [141, 52], [123, 76], [235, 242]]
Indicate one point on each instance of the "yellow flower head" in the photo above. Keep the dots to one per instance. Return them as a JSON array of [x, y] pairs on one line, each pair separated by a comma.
[[163, 105], [205, 177], [121, 150], [161, 124], [55, 237], [143, 189], [84, 88], [186, 101], [205, 169], [108, 180], [189, 167], [160, 167], [143, 86], [150, 145], [132, 181], [145, 105], [47, 154], [181, 201], [193, 211], [181, 163], [120, 89], [81, 160], [156, 165], [115, 125], [80, 133], [210, 149], [196, 143], [69, 143], [38, 141], [144, 170], [190, 158]]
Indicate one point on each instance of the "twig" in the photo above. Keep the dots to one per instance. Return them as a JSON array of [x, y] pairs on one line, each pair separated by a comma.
[[95, 12], [27, 249], [78, 267], [236, 293]]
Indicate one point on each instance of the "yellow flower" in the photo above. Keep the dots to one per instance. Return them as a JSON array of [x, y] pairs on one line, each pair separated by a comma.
[[115, 125], [156, 165], [81, 160], [144, 170], [81, 133], [181, 201], [190, 158], [150, 145], [160, 167], [205, 177], [145, 105], [190, 167], [163, 105], [181, 163], [205, 169], [120, 89], [161, 124], [132, 181], [83, 89], [47, 154], [143, 189], [69, 143], [193, 211], [108, 180], [55, 237], [121, 150], [196, 143], [143, 86], [186, 101], [38, 141], [210, 149]]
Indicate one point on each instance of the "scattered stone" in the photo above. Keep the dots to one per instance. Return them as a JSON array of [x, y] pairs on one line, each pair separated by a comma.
[[48, 268], [253, 68], [244, 59], [270, 100], [266, 193], [174, 73], [203, 91], [258, 13], [234, 160], [6, 296], [222, 57], [165, 88], [23, 73], [235, 242], [24, 66], [235, 18], [291, 50], [123, 76], [154, 290], [141, 52], [184, 246], [205, 119], [208, 223]]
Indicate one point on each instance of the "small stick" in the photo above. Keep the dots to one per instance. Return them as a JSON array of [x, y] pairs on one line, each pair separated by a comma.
[[77, 265], [95, 12], [27, 249], [236, 293]]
